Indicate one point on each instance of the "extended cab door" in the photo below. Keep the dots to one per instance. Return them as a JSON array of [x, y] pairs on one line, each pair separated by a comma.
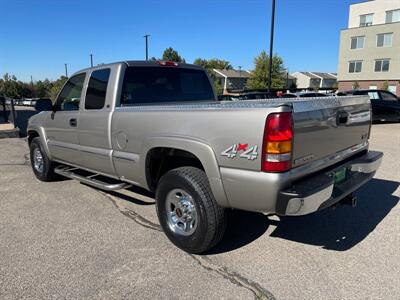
[[95, 121], [61, 125]]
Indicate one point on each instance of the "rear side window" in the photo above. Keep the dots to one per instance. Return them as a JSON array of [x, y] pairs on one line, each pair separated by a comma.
[[97, 89], [147, 85], [388, 97]]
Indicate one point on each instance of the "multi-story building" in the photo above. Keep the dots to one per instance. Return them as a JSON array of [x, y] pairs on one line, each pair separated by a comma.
[[369, 55], [315, 80], [232, 79]]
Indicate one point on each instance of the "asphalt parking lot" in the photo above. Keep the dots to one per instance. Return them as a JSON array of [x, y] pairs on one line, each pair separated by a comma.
[[68, 240]]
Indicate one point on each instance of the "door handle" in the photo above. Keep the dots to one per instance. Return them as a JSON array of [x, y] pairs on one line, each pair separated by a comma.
[[73, 122]]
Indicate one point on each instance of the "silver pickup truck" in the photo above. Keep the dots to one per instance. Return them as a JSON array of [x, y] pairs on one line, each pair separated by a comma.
[[159, 126]]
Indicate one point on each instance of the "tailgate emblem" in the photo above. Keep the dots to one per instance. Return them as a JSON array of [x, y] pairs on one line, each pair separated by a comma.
[[248, 153]]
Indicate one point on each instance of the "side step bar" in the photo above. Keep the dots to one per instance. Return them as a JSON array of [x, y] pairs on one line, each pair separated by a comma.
[[72, 172]]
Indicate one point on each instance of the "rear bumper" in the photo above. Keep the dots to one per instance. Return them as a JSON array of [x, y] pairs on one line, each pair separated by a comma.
[[321, 191]]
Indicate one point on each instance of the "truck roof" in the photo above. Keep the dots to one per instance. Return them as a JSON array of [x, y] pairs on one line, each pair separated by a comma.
[[139, 63]]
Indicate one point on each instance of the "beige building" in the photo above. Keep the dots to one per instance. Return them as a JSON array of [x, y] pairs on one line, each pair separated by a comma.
[[315, 80], [369, 55]]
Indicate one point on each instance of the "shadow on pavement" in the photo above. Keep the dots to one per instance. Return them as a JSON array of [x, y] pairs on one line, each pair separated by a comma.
[[334, 229], [344, 227], [134, 200], [243, 228]]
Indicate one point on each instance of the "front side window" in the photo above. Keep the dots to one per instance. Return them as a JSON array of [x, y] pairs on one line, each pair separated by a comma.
[[355, 66], [388, 96], [70, 96], [357, 42], [393, 16], [382, 65], [147, 85], [366, 20], [97, 89], [384, 40]]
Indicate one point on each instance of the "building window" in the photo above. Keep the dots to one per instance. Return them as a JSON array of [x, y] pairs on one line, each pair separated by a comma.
[[384, 40], [393, 16], [373, 87], [382, 65], [357, 42], [355, 66], [366, 20]]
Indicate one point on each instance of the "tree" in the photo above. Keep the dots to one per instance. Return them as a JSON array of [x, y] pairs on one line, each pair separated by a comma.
[[209, 65], [43, 88], [56, 87], [172, 55], [10, 87], [259, 77], [385, 85], [356, 85], [213, 63]]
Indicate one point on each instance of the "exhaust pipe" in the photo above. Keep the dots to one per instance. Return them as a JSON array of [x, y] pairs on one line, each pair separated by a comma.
[[350, 200]]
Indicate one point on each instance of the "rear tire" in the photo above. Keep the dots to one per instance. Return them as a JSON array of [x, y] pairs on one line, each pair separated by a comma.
[[187, 210], [42, 166]]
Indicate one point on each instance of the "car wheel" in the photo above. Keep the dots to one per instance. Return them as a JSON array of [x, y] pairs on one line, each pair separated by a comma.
[[187, 210], [42, 166]]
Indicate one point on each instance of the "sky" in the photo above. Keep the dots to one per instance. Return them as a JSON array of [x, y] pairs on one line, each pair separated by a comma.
[[37, 37]]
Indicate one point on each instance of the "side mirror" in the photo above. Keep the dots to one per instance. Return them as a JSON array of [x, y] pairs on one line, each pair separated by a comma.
[[44, 105]]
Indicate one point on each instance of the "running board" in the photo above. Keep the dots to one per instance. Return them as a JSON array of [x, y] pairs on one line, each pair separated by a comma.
[[90, 178]]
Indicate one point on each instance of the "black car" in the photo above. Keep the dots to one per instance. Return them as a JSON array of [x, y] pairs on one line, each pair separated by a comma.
[[385, 105]]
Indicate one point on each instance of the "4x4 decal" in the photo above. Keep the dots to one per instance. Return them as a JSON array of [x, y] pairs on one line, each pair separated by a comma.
[[248, 153]]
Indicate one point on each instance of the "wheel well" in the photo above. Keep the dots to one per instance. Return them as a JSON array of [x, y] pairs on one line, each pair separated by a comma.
[[31, 135], [161, 160]]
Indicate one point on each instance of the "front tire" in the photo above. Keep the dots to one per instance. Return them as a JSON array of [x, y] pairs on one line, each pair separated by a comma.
[[187, 210], [42, 166]]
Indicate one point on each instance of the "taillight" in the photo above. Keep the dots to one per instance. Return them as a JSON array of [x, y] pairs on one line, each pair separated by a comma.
[[167, 63], [278, 143]]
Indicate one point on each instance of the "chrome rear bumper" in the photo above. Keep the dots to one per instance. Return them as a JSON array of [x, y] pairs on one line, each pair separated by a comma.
[[321, 190]]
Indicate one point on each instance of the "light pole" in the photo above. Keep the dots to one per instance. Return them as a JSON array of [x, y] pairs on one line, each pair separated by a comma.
[[66, 70], [146, 37], [271, 45], [91, 60]]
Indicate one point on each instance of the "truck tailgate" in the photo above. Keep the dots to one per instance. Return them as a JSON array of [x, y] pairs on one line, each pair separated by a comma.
[[329, 125]]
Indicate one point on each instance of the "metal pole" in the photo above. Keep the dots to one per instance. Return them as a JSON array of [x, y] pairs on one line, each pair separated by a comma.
[[66, 70], [146, 37], [5, 109], [91, 60], [271, 45], [287, 79], [13, 113]]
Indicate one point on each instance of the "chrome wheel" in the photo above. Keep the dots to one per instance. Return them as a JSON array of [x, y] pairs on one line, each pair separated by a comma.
[[38, 160], [181, 212]]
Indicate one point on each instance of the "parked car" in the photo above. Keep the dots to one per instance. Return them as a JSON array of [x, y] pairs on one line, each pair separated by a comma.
[[385, 105], [310, 94], [158, 125]]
